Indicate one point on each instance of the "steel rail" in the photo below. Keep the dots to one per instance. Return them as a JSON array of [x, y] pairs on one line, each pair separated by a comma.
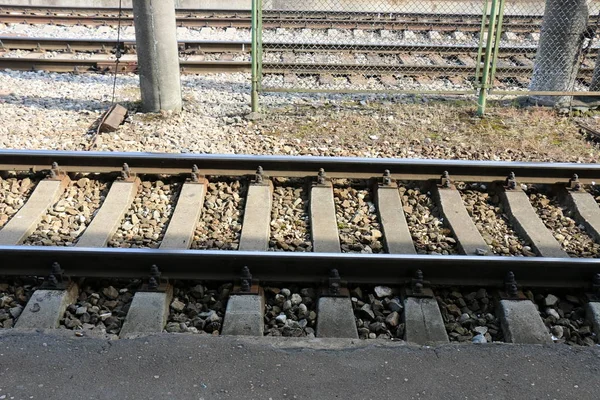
[[267, 23], [298, 267], [296, 166]]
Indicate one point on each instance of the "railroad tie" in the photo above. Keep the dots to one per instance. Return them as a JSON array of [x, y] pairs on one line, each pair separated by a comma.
[[336, 318], [467, 235], [182, 225], [521, 323], [424, 323], [585, 210], [149, 311], [396, 236], [46, 308], [245, 312], [256, 229], [593, 315], [527, 223], [46, 193], [323, 223], [109, 216]]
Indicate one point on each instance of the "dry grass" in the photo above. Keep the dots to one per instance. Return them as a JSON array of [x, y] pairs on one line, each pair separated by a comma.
[[437, 129]]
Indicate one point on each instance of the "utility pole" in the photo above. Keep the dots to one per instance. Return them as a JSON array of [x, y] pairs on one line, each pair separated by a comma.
[[158, 54], [558, 55]]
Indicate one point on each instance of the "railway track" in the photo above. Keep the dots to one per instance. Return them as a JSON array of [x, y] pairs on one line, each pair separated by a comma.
[[457, 60], [271, 19], [75, 215], [110, 165]]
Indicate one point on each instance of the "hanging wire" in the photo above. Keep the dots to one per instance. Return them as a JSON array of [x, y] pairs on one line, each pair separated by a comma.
[[118, 53]]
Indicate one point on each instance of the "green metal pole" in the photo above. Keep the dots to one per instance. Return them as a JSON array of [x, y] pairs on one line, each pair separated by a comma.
[[497, 42], [487, 61], [480, 49], [254, 56], [259, 34]]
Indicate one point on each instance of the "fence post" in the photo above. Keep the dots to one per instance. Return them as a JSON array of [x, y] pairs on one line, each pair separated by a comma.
[[487, 60], [254, 54], [497, 41], [259, 37], [480, 47]]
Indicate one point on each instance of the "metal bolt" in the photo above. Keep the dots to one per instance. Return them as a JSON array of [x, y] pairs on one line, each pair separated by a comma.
[[418, 282], [446, 179], [574, 183], [125, 172], [195, 173], [54, 170], [259, 174], [246, 279], [321, 177], [511, 181], [56, 272], [154, 271], [510, 285], [387, 178], [334, 282], [52, 281], [152, 283]]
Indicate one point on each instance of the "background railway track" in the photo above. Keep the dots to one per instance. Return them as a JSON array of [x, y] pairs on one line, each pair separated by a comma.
[[271, 19], [225, 56]]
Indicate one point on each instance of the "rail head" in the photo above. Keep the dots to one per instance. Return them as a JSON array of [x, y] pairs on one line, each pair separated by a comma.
[[296, 166]]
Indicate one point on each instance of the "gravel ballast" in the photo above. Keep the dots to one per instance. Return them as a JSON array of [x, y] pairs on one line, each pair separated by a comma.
[[427, 230], [565, 317], [289, 217], [290, 311], [146, 221], [198, 308], [14, 295], [67, 219], [469, 315], [486, 210], [358, 225], [571, 236], [101, 307], [14, 192], [378, 312], [220, 224]]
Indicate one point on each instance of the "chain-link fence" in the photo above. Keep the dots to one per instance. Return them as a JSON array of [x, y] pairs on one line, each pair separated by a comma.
[[483, 47], [555, 52]]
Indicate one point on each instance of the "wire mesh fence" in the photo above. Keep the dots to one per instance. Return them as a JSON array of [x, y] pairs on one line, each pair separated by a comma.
[[377, 45], [497, 47], [555, 53]]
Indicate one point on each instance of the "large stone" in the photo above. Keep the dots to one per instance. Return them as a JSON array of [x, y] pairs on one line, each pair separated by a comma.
[[111, 293], [383, 291], [550, 300], [393, 319]]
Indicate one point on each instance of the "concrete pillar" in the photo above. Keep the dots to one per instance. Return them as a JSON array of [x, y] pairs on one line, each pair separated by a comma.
[[158, 54], [557, 59]]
